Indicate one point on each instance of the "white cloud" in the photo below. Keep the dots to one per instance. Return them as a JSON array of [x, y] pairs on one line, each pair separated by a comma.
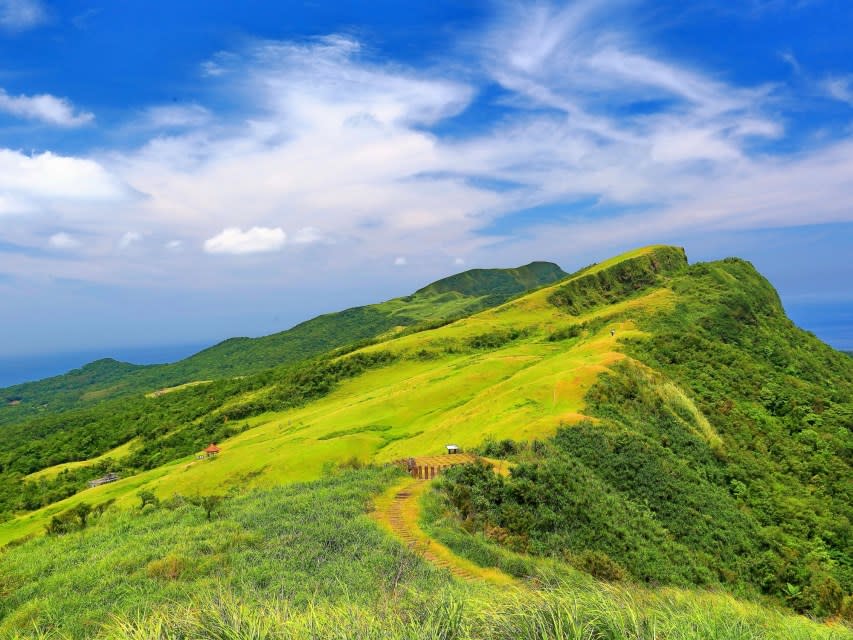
[[840, 88], [44, 108], [307, 235], [255, 240], [174, 245], [128, 238], [326, 141], [459, 261], [219, 65], [319, 136], [34, 183], [19, 15], [63, 240], [400, 261]]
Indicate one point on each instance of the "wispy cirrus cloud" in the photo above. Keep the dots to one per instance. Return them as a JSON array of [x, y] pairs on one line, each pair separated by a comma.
[[839, 88], [323, 142], [20, 15], [175, 117], [44, 108]]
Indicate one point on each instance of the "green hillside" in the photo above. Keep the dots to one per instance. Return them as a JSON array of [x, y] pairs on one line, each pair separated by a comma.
[[668, 429], [451, 297], [305, 562], [496, 283], [724, 438]]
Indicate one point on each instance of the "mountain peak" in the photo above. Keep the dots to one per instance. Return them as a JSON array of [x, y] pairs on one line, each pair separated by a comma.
[[479, 282]]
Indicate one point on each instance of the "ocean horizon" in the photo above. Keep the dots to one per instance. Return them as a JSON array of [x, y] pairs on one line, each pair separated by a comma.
[[28, 368]]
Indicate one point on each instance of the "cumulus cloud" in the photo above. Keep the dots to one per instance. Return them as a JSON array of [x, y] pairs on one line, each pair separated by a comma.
[[238, 242], [44, 108], [19, 15], [63, 240], [33, 183], [400, 261]]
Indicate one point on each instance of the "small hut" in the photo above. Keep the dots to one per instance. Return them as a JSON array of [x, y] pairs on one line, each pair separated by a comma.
[[452, 449], [212, 450]]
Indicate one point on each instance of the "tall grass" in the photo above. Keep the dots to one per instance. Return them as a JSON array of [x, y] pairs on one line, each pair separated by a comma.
[[304, 562], [564, 612], [308, 543]]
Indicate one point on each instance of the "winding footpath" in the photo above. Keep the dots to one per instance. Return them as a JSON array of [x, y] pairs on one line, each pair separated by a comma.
[[398, 511]]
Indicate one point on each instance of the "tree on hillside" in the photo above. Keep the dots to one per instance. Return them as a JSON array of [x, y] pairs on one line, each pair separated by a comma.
[[209, 503], [82, 512], [147, 497]]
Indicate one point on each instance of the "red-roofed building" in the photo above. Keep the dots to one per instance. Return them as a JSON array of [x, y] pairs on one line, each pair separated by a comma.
[[212, 450]]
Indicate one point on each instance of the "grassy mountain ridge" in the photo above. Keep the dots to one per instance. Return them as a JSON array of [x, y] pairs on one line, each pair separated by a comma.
[[454, 296], [725, 437], [669, 425], [172, 425]]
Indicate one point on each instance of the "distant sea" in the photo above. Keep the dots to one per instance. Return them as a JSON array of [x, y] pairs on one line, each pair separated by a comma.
[[17, 369], [832, 322]]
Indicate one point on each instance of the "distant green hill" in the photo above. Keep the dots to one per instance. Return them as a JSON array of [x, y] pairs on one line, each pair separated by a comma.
[[496, 282], [455, 296]]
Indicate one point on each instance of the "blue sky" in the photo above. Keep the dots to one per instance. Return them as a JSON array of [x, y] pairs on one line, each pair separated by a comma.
[[181, 172]]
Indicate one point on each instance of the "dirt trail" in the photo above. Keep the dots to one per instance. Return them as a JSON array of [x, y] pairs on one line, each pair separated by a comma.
[[398, 511], [404, 501]]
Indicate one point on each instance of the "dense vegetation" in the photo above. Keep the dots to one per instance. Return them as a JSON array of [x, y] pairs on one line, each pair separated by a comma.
[[451, 297], [601, 286], [306, 562], [725, 462], [496, 283], [164, 427]]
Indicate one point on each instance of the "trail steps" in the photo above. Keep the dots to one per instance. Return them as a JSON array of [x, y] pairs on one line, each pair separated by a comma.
[[403, 529]]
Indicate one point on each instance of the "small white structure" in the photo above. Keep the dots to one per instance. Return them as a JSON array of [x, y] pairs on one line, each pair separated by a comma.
[[110, 477], [451, 449]]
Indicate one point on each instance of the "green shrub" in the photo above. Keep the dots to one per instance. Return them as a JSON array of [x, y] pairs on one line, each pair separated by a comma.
[[599, 565], [566, 333]]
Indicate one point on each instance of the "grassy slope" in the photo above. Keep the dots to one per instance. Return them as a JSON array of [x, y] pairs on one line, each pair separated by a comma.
[[719, 454], [298, 542], [441, 389], [305, 562], [117, 453], [451, 297]]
